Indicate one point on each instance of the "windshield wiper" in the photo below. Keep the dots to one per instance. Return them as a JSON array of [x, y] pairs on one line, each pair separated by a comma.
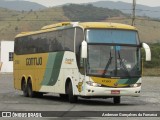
[[107, 65], [123, 64]]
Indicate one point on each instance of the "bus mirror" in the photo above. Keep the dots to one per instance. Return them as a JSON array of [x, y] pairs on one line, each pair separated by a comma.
[[147, 51], [84, 49]]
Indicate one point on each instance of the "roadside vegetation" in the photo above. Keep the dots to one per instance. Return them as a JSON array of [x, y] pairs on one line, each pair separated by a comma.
[[152, 68]]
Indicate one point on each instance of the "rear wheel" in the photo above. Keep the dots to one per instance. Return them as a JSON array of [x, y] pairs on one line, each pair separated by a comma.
[[72, 98], [117, 100], [31, 93], [24, 89]]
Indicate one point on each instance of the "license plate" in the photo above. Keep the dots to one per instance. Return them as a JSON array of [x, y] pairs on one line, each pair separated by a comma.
[[115, 91]]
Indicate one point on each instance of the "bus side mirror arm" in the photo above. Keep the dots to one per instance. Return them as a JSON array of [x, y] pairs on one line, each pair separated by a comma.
[[147, 51], [84, 49]]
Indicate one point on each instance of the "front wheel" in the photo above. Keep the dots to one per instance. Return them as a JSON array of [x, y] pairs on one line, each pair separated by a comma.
[[72, 98], [117, 100]]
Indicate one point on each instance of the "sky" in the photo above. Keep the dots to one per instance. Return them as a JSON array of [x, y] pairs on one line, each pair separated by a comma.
[[50, 3]]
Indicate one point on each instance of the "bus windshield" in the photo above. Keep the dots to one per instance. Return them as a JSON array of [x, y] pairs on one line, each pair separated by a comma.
[[112, 36], [113, 60]]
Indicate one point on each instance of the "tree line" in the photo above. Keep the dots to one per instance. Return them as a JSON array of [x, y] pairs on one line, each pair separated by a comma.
[[89, 12]]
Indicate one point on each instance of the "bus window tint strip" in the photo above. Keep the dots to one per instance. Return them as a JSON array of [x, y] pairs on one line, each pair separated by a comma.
[[60, 40], [112, 36]]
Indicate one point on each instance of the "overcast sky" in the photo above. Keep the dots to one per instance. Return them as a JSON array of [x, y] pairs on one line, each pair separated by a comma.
[[50, 3]]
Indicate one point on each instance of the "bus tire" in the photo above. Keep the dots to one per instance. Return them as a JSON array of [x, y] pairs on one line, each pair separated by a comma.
[[72, 98], [24, 89], [117, 100], [31, 93]]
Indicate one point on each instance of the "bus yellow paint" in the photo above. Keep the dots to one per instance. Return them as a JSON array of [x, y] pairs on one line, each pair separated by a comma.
[[108, 82], [27, 65]]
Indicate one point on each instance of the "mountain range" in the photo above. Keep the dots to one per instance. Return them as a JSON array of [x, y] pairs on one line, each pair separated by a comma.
[[20, 5], [141, 10], [17, 19]]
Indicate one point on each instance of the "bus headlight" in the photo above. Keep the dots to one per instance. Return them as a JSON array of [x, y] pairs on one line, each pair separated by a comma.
[[90, 83], [135, 85]]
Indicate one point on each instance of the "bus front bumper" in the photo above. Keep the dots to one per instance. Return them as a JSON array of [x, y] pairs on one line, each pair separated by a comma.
[[106, 91]]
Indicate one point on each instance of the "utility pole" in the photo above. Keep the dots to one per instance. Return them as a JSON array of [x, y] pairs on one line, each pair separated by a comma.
[[134, 12]]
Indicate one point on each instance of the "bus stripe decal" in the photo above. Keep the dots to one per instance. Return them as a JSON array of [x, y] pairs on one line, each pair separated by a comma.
[[54, 65], [128, 81]]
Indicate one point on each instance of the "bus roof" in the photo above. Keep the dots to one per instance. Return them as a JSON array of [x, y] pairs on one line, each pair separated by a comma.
[[107, 25], [63, 25]]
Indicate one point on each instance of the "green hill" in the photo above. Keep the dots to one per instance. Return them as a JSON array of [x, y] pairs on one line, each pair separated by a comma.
[[141, 10], [89, 12], [14, 22], [148, 28]]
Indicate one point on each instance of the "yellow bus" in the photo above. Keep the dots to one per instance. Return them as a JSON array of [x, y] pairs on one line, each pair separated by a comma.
[[80, 59]]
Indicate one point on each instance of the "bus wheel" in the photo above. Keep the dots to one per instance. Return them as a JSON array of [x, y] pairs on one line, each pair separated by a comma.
[[29, 89], [72, 98], [24, 88], [117, 100]]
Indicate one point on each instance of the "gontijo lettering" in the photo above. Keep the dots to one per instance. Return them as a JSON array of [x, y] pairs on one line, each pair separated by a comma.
[[34, 61]]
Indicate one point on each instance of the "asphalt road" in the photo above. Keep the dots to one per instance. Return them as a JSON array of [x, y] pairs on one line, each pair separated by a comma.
[[13, 100]]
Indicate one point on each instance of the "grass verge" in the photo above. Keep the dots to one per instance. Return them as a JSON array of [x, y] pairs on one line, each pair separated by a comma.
[[151, 72]]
